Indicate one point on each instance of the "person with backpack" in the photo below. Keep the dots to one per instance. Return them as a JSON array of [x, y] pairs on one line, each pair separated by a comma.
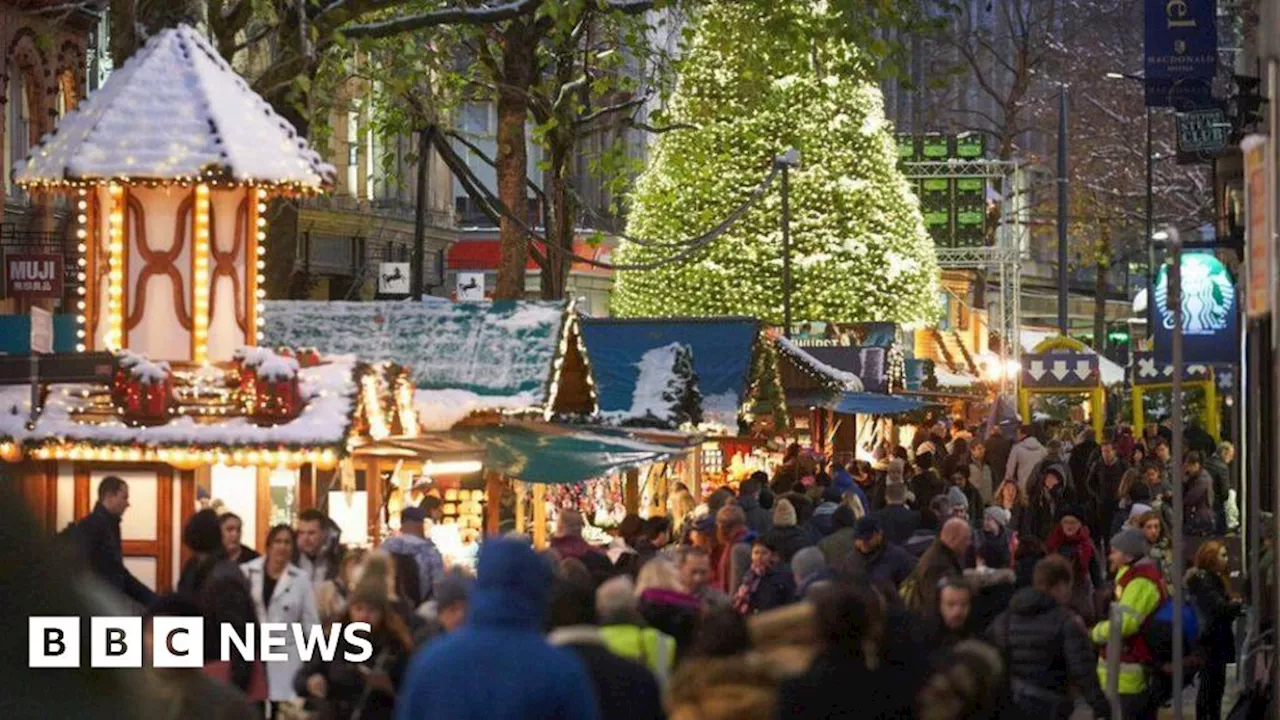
[[424, 559], [1140, 590]]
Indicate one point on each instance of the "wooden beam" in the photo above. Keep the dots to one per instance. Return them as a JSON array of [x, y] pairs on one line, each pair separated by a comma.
[[82, 506], [373, 491], [493, 499], [306, 487], [631, 491], [187, 501], [262, 509], [518, 487], [539, 515]]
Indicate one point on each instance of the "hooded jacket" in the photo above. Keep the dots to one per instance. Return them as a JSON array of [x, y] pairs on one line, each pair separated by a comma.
[[886, 564], [759, 520], [502, 638], [1046, 651], [899, 523], [1199, 502], [993, 590], [1023, 459]]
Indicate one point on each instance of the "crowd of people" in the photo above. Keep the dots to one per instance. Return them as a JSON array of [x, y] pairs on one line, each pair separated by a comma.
[[955, 578]]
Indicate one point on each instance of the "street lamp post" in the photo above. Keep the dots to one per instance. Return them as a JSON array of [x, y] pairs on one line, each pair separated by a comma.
[[1176, 471], [784, 162]]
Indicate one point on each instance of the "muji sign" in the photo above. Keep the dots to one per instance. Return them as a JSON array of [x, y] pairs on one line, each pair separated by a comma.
[[33, 275]]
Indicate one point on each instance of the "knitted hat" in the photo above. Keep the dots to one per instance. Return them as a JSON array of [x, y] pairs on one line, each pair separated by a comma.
[[1138, 510], [957, 497], [1131, 542], [998, 515], [453, 588]]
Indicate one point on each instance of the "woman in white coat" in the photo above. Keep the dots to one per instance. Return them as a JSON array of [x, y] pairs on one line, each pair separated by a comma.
[[282, 593]]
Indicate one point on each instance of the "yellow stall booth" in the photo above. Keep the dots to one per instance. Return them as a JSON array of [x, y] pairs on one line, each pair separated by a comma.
[[1063, 366]]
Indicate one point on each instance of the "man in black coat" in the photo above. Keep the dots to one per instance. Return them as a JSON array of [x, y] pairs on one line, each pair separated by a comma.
[[624, 689], [1105, 473], [97, 536], [896, 519], [1046, 648], [882, 562], [758, 519]]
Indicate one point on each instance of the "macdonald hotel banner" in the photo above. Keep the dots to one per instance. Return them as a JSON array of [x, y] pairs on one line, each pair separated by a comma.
[[1181, 52]]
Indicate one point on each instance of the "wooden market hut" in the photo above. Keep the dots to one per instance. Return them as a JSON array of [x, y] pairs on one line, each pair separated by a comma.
[[169, 166]]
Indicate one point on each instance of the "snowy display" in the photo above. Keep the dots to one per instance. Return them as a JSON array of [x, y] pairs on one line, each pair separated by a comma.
[[666, 393], [859, 249], [826, 373], [465, 357], [174, 111]]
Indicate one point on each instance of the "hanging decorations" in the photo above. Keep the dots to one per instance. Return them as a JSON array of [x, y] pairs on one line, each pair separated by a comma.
[[146, 392], [279, 395]]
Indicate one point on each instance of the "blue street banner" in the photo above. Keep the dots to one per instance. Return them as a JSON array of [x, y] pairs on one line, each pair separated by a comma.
[[1181, 50], [1210, 313]]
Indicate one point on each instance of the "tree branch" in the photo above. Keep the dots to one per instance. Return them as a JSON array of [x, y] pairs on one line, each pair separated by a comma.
[[487, 15]]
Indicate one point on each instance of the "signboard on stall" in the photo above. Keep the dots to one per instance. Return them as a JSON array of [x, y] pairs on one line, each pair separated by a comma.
[[41, 330], [1257, 227], [1210, 322], [470, 287], [393, 278], [1181, 50], [33, 275]]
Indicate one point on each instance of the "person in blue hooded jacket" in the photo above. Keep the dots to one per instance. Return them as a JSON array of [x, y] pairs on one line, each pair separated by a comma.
[[498, 666]]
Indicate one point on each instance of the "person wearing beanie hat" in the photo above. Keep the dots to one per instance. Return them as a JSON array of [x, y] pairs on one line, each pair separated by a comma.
[[959, 502], [1140, 589], [786, 536], [501, 638], [996, 531], [1070, 538], [1137, 511], [972, 495], [998, 516]]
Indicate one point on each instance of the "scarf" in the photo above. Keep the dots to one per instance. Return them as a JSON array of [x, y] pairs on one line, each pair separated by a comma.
[[1083, 548], [742, 598]]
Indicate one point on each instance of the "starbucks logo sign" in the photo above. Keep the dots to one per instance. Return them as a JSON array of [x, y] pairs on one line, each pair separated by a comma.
[[1208, 296]]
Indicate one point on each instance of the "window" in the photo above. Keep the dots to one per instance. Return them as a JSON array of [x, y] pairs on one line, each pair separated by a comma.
[[473, 119], [17, 127], [353, 152]]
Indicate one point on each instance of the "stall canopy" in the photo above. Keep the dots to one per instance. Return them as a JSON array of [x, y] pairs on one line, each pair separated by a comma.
[[722, 352], [558, 455], [865, 403]]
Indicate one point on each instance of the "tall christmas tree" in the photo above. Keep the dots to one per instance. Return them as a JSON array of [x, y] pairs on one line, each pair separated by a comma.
[[762, 76]]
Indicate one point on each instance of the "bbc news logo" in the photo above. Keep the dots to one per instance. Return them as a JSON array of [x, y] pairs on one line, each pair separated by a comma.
[[179, 642]]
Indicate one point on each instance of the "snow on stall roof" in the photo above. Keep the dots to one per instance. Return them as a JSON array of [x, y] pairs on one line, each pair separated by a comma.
[[440, 410], [503, 350], [847, 380], [1112, 373], [174, 110], [949, 379], [326, 419]]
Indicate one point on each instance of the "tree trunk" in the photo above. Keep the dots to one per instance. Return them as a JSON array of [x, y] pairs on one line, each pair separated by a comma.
[[1100, 290], [133, 20], [560, 232], [518, 67]]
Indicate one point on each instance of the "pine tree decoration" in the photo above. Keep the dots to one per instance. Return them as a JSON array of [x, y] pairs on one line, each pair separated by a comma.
[[762, 76], [666, 393]]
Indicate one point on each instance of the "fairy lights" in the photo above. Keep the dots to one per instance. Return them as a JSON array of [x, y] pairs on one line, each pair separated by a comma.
[[371, 398], [257, 257], [200, 279], [82, 234], [179, 457], [114, 339]]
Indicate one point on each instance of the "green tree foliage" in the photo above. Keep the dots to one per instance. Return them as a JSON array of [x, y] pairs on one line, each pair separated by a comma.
[[762, 76]]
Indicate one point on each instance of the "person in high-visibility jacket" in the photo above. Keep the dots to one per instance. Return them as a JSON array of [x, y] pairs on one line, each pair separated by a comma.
[[1140, 589]]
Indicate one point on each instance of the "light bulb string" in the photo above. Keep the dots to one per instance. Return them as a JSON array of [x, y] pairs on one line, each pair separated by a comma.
[[494, 206]]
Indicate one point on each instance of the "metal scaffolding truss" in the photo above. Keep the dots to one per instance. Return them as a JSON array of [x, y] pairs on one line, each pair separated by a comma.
[[1004, 259]]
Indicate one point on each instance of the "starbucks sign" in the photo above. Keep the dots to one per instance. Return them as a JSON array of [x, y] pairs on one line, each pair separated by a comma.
[[1210, 312]]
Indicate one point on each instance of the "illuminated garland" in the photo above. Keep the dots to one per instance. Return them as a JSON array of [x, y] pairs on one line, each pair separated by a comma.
[[200, 279], [82, 238], [114, 338], [258, 261]]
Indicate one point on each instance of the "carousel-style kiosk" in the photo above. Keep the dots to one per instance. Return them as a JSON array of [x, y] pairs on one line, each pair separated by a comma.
[[1063, 366], [168, 167]]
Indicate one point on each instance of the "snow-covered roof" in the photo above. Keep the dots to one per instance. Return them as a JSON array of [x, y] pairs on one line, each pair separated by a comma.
[[175, 111], [1112, 373], [826, 373], [949, 379], [325, 420], [502, 355]]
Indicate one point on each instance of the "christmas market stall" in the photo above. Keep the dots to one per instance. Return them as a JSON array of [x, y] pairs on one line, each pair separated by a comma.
[[735, 375], [475, 365], [1063, 370], [836, 411], [169, 168], [1151, 377]]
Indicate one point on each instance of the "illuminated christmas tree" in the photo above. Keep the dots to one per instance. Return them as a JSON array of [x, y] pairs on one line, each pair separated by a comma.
[[762, 76]]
